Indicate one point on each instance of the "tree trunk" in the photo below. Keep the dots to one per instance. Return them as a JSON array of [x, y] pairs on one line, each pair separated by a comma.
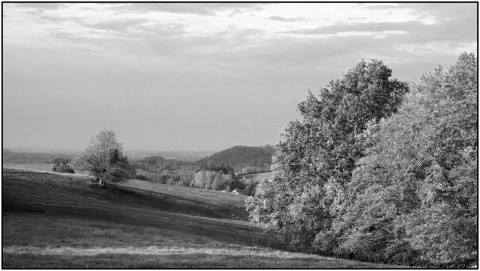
[[101, 182]]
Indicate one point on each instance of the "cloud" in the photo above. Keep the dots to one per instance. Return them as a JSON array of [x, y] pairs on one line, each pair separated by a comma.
[[451, 30], [45, 6], [443, 11], [284, 19], [187, 8], [379, 6], [118, 25]]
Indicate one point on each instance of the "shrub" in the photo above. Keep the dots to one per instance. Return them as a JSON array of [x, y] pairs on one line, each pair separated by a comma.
[[140, 177], [219, 182], [118, 174], [171, 181], [63, 168]]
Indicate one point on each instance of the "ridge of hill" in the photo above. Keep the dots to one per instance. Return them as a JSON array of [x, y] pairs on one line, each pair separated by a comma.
[[159, 163], [242, 158]]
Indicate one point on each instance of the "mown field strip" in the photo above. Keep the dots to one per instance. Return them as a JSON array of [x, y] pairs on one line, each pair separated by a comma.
[[152, 250]]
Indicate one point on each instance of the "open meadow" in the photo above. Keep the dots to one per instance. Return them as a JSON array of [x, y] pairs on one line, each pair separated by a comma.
[[67, 221], [44, 167]]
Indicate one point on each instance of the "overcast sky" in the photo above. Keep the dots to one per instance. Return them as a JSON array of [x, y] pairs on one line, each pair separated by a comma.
[[177, 76]]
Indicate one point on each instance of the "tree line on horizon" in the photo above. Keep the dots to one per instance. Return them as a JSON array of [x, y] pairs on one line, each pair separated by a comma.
[[104, 159], [379, 170]]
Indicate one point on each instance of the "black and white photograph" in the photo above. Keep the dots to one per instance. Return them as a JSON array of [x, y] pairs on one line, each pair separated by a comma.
[[239, 135]]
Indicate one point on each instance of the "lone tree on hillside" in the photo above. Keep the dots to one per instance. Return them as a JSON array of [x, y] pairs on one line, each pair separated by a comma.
[[103, 158]]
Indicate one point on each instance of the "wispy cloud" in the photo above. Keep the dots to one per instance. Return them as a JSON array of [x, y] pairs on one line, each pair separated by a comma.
[[284, 19], [120, 25], [43, 6], [188, 8], [97, 21]]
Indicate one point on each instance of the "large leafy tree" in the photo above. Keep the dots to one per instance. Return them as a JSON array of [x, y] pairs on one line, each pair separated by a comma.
[[104, 159], [317, 155], [414, 196]]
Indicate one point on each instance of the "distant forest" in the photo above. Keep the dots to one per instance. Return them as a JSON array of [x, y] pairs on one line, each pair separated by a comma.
[[243, 159]]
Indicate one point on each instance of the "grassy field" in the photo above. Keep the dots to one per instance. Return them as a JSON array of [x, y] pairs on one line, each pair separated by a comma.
[[47, 167], [67, 221]]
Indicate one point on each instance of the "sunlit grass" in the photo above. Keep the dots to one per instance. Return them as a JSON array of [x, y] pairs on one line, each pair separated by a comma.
[[39, 168], [42, 167], [154, 250]]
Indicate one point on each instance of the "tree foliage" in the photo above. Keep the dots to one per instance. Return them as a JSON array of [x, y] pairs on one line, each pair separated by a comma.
[[104, 159], [316, 155], [211, 180], [416, 190], [378, 174]]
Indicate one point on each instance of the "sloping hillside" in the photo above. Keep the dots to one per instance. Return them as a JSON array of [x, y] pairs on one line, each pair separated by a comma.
[[240, 157], [67, 221]]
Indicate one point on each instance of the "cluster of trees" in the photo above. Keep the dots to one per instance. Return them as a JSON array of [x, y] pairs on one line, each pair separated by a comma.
[[200, 178], [181, 177], [211, 180], [225, 169], [240, 157], [217, 180], [166, 171], [379, 171]]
